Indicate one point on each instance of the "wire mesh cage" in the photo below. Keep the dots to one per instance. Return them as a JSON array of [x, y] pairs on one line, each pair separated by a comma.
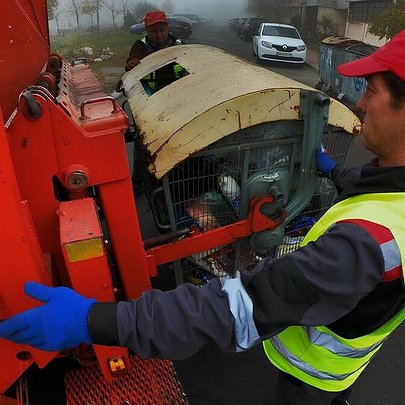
[[213, 188], [227, 154]]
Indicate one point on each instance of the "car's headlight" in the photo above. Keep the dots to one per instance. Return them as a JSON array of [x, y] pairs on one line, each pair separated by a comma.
[[301, 48], [267, 44]]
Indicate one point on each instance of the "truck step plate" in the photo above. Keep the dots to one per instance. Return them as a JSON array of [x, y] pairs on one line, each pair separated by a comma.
[[148, 382]]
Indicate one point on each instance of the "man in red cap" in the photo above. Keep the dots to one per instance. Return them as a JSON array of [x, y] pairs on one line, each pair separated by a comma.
[[382, 104], [321, 313], [157, 37]]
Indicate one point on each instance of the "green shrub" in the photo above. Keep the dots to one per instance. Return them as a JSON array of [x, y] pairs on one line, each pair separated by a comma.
[[115, 43], [70, 45], [326, 27]]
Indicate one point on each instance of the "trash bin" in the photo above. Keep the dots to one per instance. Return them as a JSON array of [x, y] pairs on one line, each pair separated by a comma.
[[226, 133], [333, 52]]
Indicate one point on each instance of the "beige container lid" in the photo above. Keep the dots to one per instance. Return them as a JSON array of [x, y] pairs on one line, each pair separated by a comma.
[[221, 95]]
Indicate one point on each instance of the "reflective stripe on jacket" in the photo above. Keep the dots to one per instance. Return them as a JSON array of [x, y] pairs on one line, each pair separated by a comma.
[[150, 79], [388, 247], [316, 355]]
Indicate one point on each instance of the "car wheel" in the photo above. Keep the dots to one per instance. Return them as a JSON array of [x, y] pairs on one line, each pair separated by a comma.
[[258, 60]]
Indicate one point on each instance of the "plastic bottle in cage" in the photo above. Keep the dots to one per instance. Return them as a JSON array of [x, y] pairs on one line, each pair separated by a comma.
[[231, 190]]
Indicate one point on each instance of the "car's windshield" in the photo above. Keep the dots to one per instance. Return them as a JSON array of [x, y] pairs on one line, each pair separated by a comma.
[[176, 20], [286, 32]]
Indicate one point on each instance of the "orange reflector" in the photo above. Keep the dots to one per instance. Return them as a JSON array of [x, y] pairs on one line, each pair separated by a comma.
[[117, 366], [84, 249]]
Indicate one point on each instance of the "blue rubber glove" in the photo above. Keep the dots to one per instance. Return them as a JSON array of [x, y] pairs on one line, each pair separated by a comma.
[[324, 162], [59, 324]]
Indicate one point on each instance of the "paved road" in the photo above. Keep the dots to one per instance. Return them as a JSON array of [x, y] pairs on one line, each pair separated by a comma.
[[222, 37], [214, 378]]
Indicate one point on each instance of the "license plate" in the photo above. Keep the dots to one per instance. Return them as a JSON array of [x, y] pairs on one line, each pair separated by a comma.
[[283, 54]]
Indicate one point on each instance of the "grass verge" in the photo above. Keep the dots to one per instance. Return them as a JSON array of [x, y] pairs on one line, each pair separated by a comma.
[[114, 43]]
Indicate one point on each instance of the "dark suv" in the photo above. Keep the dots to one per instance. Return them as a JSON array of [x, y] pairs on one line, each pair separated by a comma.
[[249, 28], [195, 19], [178, 26]]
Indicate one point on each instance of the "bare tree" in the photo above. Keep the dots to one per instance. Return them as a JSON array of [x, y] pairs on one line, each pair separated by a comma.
[[276, 10], [168, 6], [128, 9], [56, 14], [52, 6], [123, 7], [99, 5], [88, 8], [76, 10], [143, 7], [113, 9]]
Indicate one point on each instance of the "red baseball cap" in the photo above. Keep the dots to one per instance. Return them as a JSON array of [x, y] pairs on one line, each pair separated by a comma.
[[155, 17], [390, 57]]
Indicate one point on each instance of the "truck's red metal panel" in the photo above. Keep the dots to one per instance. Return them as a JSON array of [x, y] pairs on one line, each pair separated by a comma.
[[86, 132], [21, 260], [24, 47]]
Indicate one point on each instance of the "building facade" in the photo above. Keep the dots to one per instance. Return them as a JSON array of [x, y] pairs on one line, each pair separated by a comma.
[[358, 20]]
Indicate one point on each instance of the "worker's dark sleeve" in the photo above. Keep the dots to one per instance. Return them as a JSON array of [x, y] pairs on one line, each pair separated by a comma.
[[103, 323], [137, 51], [315, 285], [343, 176], [172, 324]]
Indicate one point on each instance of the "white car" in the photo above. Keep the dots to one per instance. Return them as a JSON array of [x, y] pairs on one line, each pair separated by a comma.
[[279, 43]]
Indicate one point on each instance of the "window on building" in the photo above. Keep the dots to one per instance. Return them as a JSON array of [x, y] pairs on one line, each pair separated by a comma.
[[364, 10]]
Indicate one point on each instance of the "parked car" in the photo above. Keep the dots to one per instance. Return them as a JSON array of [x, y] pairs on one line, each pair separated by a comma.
[[232, 23], [279, 43], [250, 27], [205, 20], [238, 25], [137, 28], [178, 26], [194, 18]]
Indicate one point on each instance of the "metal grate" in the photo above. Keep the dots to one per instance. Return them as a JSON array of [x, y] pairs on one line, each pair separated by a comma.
[[212, 188], [338, 146], [148, 382]]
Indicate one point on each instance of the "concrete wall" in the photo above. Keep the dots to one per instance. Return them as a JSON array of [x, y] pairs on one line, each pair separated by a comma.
[[359, 31]]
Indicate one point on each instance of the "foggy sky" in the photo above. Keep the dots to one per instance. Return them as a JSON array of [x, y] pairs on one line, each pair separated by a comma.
[[219, 10], [216, 9]]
